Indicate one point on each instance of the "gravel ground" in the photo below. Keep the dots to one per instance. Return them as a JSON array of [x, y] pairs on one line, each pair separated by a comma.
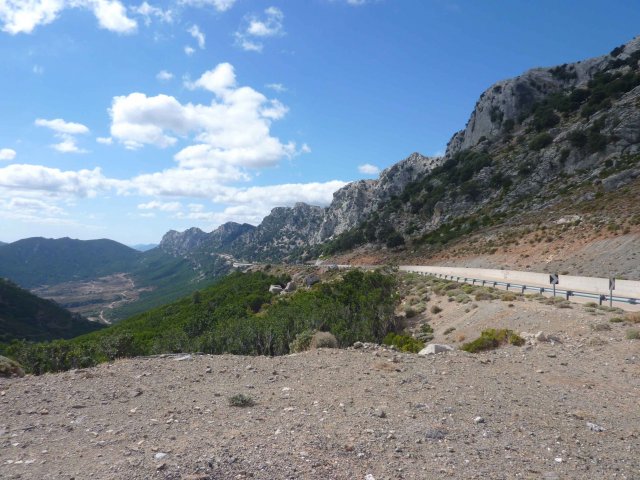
[[551, 410]]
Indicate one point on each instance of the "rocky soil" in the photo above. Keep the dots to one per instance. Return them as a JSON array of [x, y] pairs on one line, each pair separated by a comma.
[[561, 409]]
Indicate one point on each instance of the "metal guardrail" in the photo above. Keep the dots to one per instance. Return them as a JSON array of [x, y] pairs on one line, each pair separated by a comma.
[[523, 287]]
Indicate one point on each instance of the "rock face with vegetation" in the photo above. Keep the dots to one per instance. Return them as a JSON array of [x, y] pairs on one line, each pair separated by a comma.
[[569, 133]]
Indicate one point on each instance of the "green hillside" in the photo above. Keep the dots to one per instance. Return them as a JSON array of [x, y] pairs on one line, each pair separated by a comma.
[[168, 278], [26, 316], [236, 315], [38, 261]]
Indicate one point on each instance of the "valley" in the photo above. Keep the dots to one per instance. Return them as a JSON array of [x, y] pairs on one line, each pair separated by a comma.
[[93, 298]]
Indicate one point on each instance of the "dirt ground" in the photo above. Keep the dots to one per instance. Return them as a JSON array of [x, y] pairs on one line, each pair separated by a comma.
[[560, 409]]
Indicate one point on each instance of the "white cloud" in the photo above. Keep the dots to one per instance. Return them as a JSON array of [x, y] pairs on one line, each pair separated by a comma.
[[269, 25], [164, 76], [368, 169], [68, 145], [189, 50], [276, 87], [38, 69], [64, 131], [112, 15], [147, 12], [233, 130], [219, 5], [81, 183], [162, 206], [105, 140], [58, 125], [195, 32], [23, 16], [7, 154]]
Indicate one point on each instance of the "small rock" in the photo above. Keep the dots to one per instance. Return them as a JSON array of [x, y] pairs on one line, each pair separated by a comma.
[[184, 357], [355, 345], [540, 337], [368, 476], [275, 289], [160, 455], [378, 412], [594, 427], [434, 348], [478, 420]]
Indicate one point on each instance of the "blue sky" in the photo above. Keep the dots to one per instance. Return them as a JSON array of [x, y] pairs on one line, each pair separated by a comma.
[[124, 119]]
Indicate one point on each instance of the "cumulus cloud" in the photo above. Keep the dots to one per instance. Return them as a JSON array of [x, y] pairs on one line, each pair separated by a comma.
[[81, 183], [104, 140], [368, 169], [68, 145], [20, 16], [58, 125], [219, 5], [195, 32], [164, 76], [189, 50], [65, 131], [7, 154], [271, 24], [232, 131]]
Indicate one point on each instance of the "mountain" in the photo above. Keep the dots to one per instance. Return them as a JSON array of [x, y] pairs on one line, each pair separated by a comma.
[[144, 247], [551, 142], [37, 261], [26, 316]]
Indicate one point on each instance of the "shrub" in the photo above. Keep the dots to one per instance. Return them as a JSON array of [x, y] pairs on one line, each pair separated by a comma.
[[302, 341], [509, 297], [484, 296], [491, 338], [617, 320], [633, 334], [10, 368], [323, 340], [540, 141], [436, 309], [410, 312], [601, 327], [633, 317], [241, 400], [449, 330], [404, 343], [426, 333]]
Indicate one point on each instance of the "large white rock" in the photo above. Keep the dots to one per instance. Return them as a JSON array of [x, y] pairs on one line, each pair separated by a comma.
[[275, 289], [434, 348]]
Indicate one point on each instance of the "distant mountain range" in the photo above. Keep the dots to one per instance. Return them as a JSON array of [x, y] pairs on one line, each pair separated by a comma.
[[28, 317], [144, 247]]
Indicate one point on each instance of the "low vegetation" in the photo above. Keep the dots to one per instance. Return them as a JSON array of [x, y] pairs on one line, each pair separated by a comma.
[[491, 338], [237, 315], [404, 343], [241, 400]]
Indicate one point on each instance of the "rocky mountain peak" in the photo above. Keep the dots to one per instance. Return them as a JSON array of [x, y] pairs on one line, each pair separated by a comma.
[[180, 243]]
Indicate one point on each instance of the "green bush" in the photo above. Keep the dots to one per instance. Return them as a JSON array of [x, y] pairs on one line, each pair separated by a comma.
[[10, 368], [633, 334], [323, 340], [302, 341], [540, 141], [436, 309], [241, 400], [404, 343], [491, 338]]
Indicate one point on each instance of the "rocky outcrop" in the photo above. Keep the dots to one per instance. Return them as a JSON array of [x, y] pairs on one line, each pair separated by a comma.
[[505, 101], [181, 243], [357, 200]]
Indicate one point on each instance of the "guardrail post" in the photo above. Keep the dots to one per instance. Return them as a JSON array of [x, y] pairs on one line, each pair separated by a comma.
[[541, 290], [568, 293], [524, 287], [483, 283], [602, 297], [508, 285]]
